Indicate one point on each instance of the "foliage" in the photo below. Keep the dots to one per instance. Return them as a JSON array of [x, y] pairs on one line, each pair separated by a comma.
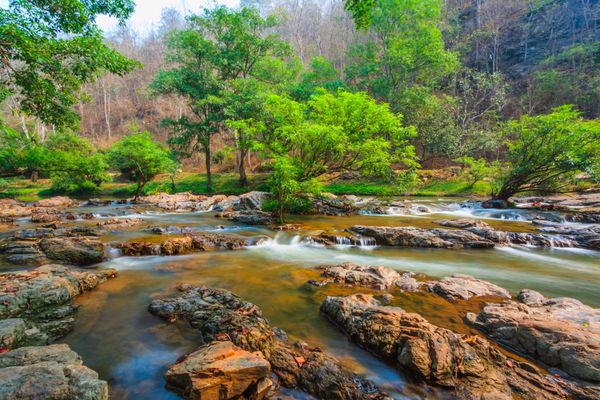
[[322, 74], [476, 170], [137, 157], [50, 48], [287, 188], [361, 11], [546, 148], [74, 165]]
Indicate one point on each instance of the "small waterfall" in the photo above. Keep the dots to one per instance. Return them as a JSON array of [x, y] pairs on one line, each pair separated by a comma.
[[113, 252]]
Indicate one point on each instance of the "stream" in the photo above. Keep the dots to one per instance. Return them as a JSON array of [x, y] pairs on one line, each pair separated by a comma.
[[131, 349]]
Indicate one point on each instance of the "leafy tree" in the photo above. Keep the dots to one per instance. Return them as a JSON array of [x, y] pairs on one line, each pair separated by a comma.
[[546, 148], [361, 11], [220, 47], [406, 52], [49, 49], [322, 74], [139, 158], [74, 164]]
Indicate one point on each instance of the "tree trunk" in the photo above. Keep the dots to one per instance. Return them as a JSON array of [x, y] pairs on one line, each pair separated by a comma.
[[242, 168], [34, 176], [208, 174], [138, 191]]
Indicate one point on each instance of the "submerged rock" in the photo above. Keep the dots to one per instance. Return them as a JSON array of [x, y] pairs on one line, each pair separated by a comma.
[[48, 372], [218, 314], [42, 298], [560, 333], [418, 237], [223, 371], [469, 366]]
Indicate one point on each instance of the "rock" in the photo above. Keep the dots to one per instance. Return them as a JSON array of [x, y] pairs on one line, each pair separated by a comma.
[[46, 215], [587, 238], [252, 201], [347, 239], [463, 223], [348, 274], [468, 365], [23, 253], [12, 333], [329, 204], [65, 232], [49, 372], [169, 230], [43, 297], [76, 251], [464, 287], [182, 245], [10, 208], [218, 314], [418, 237], [495, 203], [531, 297], [287, 227], [175, 202], [252, 217], [561, 333], [118, 223], [55, 202], [221, 371]]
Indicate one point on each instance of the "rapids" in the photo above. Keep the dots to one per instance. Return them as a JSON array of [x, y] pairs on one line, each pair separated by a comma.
[[117, 337]]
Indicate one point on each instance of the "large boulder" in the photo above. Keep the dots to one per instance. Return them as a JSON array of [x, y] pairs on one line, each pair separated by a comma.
[[463, 223], [252, 217], [419, 237], [55, 202], [175, 202], [48, 372], [373, 277], [252, 200], [182, 245], [561, 333], [76, 251], [218, 314], [10, 208], [329, 204], [120, 223], [469, 366], [221, 371], [43, 298], [463, 287]]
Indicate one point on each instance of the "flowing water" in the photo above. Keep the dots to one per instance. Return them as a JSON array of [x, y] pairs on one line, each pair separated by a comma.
[[131, 349]]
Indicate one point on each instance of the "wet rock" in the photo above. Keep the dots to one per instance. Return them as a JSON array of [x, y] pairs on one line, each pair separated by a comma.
[[287, 227], [218, 314], [168, 230], [76, 251], [463, 223], [55, 202], [48, 372], [531, 297], [252, 217], [177, 246], [587, 238], [329, 204], [175, 202], [23, 253], [496, 203], [138, 249], [468, 365], [43, 297], [418, 237], [252, 201], [346, 239], [46, 215], [208, 241], [182, 245], [65, 232], [348, 274], [223, 371], [119, 223], [561, 333], [12, 333], [464, 287]]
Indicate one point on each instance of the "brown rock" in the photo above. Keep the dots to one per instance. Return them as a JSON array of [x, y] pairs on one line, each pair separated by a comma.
[[76, 251], [55, 202], [464, 287], [221, 371]]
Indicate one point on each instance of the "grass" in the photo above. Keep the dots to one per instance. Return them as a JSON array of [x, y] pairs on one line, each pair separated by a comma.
[[25, 190]]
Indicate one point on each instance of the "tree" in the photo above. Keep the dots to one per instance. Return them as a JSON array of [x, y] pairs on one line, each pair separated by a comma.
[[74, 164], [546, 148], [49, 49], [361, 11], [220, 47], [139, 158], [322, 74], [403, 52]]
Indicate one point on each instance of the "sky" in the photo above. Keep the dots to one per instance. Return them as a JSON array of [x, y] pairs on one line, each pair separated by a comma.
[[147, 12]]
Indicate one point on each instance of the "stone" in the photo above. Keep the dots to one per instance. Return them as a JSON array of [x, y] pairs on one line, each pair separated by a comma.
[[55, 202], [218, 314], [182, 245], [561, 333], [10, 208], [12, 333], [467, 365], [329, 204], [464, 287], [531, 297], [175, 246], [252, 217], [43, 297], [46, 215], [252, 201], [349, 274], [463, 223], [119, 223], [48, 372], [76, 251], [495, 203], [221, 371], [419, 237]]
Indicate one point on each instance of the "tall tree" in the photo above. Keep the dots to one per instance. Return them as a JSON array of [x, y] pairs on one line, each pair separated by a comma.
[[49, 49]]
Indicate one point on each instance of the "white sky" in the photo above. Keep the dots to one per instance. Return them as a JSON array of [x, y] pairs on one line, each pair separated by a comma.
[[147, 12]]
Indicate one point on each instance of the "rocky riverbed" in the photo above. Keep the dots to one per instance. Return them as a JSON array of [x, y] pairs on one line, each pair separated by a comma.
[[429, 292]]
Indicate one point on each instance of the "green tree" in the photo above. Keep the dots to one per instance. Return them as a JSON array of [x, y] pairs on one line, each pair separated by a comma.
[[361, 11], [404, 52], [221, 47], [322, 74], [74, 165], [546, 148], [49, 49], [137, 157]]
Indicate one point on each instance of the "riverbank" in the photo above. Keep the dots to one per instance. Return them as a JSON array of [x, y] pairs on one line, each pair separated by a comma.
[[434, 183]]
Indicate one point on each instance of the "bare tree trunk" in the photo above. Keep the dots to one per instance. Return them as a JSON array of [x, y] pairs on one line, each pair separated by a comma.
[[106, 98]]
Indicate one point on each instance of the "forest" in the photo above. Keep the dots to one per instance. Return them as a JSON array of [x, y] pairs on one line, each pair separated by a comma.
[[300, 200]]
